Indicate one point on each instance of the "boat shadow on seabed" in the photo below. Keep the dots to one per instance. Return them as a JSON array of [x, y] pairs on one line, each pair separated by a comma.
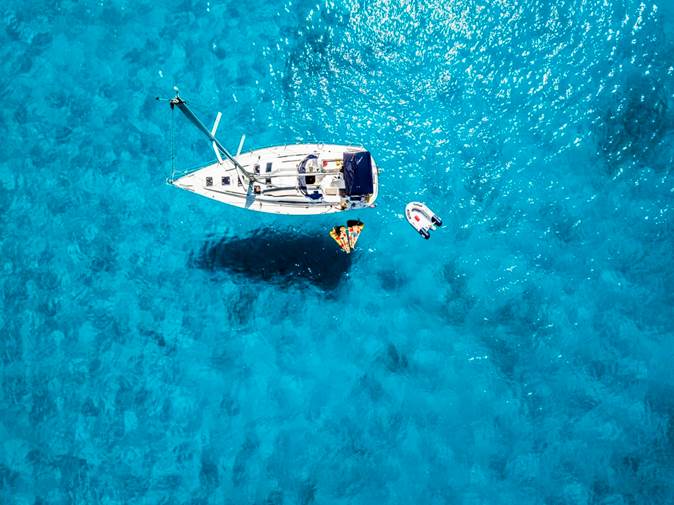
[[281, 257]]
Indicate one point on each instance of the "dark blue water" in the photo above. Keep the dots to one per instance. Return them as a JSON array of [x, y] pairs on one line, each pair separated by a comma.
[[157, 347]]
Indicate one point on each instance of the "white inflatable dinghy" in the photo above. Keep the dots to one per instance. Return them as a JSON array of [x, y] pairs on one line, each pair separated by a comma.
[[422, 218]]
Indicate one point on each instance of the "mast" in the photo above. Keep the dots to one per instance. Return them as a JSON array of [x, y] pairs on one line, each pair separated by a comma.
[[180, 103]]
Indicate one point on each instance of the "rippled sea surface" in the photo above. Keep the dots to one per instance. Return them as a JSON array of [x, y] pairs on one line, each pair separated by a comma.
[[157, 347]]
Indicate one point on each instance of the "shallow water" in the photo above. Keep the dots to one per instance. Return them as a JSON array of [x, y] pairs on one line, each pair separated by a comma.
[[160, 348]]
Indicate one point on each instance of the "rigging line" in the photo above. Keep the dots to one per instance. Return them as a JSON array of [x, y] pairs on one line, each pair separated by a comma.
[[173, 155]]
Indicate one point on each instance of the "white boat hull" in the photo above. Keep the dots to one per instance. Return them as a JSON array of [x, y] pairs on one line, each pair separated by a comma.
[[279, 188]]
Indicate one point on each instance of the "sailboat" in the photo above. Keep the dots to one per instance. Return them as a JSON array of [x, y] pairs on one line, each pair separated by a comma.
[[300, 179]]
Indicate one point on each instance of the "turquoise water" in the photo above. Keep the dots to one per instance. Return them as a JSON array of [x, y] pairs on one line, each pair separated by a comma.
[[157, 347]]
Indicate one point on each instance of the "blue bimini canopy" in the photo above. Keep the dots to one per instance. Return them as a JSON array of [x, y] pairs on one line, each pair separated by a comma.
[[358, 173]]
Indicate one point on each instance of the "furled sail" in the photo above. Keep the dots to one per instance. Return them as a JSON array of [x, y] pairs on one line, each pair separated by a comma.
[[182, 105]]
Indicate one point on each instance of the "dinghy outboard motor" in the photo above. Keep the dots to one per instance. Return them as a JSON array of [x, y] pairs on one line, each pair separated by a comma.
[[422, 218]]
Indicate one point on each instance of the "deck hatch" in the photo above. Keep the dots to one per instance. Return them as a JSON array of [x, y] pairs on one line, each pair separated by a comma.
[[268, 170]]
